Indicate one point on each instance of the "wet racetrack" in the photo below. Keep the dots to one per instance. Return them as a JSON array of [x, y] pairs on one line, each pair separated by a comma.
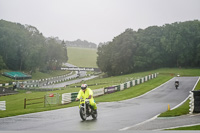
[[111, 116]]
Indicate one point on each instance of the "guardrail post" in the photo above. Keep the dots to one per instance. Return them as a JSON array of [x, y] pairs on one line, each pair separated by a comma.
[[44, 100], [24, 103]]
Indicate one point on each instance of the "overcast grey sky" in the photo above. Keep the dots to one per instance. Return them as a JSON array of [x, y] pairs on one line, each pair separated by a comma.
[[96, 20]]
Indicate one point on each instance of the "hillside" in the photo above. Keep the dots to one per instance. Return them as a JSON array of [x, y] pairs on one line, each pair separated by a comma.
[[82, 57]]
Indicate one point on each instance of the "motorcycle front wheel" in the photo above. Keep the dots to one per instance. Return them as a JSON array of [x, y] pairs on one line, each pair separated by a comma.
[[94, 115], [82, 114]]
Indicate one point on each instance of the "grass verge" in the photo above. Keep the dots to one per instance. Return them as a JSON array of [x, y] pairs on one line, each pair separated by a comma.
[[197, 127]]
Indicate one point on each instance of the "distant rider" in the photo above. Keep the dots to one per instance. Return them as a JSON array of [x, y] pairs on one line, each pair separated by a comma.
[[176, 83], [86, 92]]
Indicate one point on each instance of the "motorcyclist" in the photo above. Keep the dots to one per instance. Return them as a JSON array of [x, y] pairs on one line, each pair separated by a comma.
[[176, 83], [86, 92]]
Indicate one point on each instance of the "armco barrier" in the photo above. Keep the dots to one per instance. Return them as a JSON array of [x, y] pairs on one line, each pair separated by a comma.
[[136, 82], [128, 84], [2, 105], [34, 81], [66, 98], [195, 101], [69, 97], [146, 79], [74, 95], [109, 90], [98, 92], [133, 83], [121, 87], [125, 85], [118, 87], [191, 103]]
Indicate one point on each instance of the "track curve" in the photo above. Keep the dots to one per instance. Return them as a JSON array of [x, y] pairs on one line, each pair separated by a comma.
[[111, 115]]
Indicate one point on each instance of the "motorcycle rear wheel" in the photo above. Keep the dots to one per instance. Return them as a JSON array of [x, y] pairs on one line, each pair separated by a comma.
[[176, 87], [82, 114]]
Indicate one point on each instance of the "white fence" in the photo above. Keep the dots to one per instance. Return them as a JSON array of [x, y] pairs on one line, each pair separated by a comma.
[[69, 97], [191, 103], [35, 83], [98, 92], [2, 105]]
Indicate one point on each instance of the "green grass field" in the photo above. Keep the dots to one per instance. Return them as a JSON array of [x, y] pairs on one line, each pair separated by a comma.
[[82, 57]]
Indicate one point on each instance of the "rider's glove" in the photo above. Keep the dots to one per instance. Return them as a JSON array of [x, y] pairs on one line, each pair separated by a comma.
[[89, 97]]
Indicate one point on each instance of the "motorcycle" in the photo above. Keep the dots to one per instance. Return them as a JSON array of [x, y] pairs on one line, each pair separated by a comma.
[[87, 110], [176, 84]]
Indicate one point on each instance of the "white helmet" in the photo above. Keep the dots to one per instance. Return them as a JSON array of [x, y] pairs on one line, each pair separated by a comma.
[[83, 86]]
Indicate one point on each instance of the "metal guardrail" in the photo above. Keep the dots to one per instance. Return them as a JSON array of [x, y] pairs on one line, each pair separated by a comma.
[[35, 81], [194, 103]]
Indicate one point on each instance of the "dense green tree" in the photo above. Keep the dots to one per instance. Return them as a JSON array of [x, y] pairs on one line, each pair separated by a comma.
[[113, 57], [2, 64], [171, 45], [23, 47]]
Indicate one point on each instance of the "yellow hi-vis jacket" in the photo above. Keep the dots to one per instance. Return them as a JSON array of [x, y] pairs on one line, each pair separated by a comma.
[[85, 95]]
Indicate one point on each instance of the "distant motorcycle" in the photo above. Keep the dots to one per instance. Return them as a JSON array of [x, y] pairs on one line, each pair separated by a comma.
[[86, 110], [176, 84]]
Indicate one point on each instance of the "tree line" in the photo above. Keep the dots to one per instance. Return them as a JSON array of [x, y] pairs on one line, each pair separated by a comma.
[[80, 43], [170, 45], [23, 47]]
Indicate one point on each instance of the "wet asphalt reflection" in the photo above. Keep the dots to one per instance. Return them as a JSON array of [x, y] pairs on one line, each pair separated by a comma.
[[112, 116]]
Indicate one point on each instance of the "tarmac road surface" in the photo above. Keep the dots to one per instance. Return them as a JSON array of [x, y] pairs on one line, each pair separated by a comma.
[[112, 116], [161, 123], [63, 84]]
